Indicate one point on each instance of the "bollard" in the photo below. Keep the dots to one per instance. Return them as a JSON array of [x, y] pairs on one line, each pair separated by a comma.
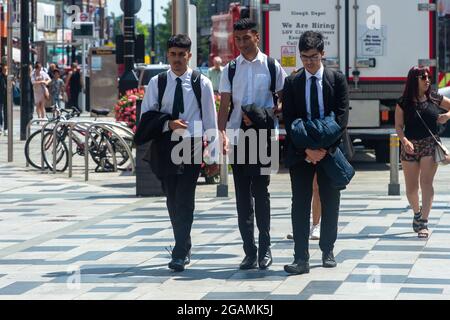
[[394, 185], [222, 188]]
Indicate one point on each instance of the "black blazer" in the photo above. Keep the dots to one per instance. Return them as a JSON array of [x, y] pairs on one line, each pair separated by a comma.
[[150, 126], [335, 98]]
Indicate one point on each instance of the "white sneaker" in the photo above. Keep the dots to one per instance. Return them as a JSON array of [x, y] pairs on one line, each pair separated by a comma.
[[5, 132], [315, 232]]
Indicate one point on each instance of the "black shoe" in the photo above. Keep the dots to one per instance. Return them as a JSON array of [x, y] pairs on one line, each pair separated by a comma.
[[249, 262], [328, 260], [297, 267], [177, 264], [265, 260]]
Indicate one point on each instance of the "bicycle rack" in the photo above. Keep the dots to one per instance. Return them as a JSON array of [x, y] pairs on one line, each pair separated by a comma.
[[85, 130], [42, 139], [72, 125], [108, 126], [42, 120], [88, 127]]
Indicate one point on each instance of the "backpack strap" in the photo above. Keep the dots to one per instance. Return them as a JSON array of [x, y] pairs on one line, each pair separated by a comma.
[[273, 78], [162, 84], [231, 74], [273, 73], [196, 86]]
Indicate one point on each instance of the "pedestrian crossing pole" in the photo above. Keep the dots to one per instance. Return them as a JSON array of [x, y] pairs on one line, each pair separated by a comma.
[[9, 105], [180, 16], [394, 185]]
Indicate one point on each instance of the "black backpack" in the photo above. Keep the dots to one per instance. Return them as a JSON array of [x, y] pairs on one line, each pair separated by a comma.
[[273, 75], [196, 86]]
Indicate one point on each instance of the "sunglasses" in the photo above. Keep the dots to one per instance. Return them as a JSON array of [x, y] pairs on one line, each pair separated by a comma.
[[424, 77]]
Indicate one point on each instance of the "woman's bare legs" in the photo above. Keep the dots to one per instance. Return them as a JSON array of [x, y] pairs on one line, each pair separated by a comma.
[[411, 171], [316, 207]]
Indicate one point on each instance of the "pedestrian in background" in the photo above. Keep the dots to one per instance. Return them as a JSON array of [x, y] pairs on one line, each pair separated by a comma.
[[215, 72], [40, 81], [51, 70], [57, 88], [74, 83], [417, 115], [3, 99]]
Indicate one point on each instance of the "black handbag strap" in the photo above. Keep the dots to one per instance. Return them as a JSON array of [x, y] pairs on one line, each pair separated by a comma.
[[426, 126]]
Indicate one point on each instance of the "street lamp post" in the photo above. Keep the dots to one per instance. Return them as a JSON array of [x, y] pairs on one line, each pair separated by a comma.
[[180, 16], [9, 95], [129, 79], [152, 34], [25, 108]]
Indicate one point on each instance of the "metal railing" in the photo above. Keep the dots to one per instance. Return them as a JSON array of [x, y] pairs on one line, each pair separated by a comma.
[[88, 127], [108, 126]]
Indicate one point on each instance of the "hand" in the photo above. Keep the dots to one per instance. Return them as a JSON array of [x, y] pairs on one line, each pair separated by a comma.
[[247, 120], [225, 142], [177, 124], [443, 118], [277, 109], [409, 147], [316, 155], [310, 160]]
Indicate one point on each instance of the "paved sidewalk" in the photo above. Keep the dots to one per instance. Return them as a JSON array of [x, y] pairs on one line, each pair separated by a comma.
[[64, 238]]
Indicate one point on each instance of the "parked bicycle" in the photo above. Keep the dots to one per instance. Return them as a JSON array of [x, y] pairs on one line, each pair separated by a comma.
[[103, 145]]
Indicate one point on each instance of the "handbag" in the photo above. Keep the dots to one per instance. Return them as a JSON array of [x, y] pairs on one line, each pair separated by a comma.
[[441, 153], [46, 93]]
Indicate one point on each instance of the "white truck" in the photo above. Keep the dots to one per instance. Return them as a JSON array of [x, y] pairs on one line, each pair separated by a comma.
[[373, 42]]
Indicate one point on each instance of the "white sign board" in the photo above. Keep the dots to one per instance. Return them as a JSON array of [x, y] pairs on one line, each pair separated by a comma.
[[287, 25], [372, 41]]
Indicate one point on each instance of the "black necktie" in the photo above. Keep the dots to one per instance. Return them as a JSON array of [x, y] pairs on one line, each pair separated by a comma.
[[314, 99], [178, 104]]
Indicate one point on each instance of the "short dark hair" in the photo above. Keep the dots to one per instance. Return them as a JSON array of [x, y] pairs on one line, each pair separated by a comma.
[[179, 41], [57, 71], [245, 24], [311, 40], [38, 65]]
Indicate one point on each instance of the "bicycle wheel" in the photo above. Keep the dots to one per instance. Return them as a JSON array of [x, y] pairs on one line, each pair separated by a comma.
[[62, 152], [33, 149], [122, 156]]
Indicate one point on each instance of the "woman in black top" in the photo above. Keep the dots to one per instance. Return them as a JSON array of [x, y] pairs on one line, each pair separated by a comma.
[[418, 144], [74, 82]]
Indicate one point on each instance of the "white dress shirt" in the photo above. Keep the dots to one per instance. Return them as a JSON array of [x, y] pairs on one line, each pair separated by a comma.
[[319, 81], [251, 85], [206, 124]]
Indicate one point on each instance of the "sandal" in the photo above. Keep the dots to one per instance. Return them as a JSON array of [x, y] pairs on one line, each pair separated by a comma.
[[423, 229], [416, 221]]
